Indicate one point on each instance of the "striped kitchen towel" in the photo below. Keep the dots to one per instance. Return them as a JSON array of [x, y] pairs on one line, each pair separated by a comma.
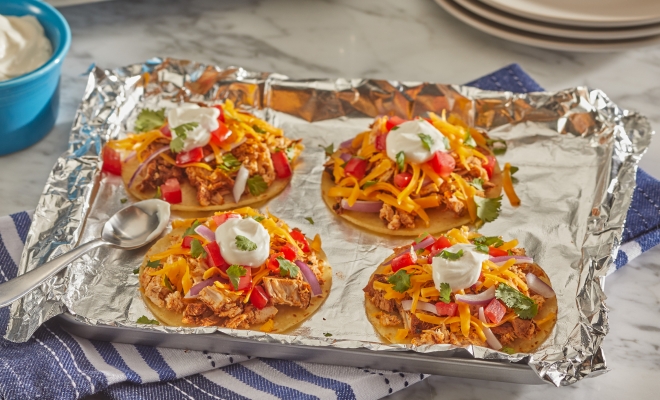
[[54, 364]]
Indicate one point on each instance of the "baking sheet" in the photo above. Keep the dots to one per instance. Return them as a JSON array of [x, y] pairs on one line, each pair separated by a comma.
[[576, 150]]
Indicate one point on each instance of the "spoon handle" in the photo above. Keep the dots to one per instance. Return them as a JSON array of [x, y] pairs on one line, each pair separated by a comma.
[[18, 287]]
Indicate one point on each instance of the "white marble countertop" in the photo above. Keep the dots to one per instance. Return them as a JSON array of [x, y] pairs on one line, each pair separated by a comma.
[[407, 40]]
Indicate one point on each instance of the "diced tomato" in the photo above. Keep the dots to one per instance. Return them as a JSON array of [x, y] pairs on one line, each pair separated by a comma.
[[245, 281], [404, 260], [442, 163], [428, 120], [273, 264], [219, 135], [222, 218], [214, 256], [289, 252], [403, 179], [301, 239], [221, 118], [187, 242], [281, 164], [381, 142], [494, 311], [495, 252], [448, 309], [356, 167], [171, 191], [393, 121], [259, 298], [111, 161], [165, 130], [186, 157], [490, 167], [440, 244]]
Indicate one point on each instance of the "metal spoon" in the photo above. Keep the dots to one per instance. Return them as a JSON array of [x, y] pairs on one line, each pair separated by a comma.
[[130, 228]]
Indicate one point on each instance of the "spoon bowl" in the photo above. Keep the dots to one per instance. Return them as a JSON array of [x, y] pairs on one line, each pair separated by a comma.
[[130, 228]]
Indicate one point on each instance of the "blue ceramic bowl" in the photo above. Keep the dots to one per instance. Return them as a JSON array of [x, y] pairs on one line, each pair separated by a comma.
[[29, 103]]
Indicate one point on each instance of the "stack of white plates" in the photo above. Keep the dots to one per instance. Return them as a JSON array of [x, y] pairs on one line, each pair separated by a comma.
[[572, 25]]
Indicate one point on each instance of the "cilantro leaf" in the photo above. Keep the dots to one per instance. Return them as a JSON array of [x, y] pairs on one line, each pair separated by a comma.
[[395, 127], [310, 220], [144, 320], [287, 267], [401, 160], [445, 141], [513, 170], [245, 244], [448, 255], [368, 183], [400, 281], [427, 141], [326, 334], [482, 248], [176, 145], [136, 271], [191, 229], [507, 350], [196, 249], [469, 141], [149, 120], [329, 149], [524, 306], [123, 201], [494, 241], [419, 251], [153, 264], [258, 218], [183, 128], [256, 185], [258, 129], [445, 293], [229, 163], [158, 194], [477, 183], [168, 284], [488, 209], [498, 146], [234, 273]]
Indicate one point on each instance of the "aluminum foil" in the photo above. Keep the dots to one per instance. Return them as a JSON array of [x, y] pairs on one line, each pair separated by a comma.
[[576, 150]]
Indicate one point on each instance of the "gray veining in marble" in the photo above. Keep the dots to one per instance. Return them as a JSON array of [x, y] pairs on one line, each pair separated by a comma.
[[407, 40]]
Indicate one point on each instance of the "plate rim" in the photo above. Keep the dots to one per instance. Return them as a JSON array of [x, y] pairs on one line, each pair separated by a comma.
[[542, 41], [629, 22], [514, 21]]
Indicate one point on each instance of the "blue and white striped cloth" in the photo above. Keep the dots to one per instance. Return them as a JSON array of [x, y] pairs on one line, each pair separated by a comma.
[[54, 364]]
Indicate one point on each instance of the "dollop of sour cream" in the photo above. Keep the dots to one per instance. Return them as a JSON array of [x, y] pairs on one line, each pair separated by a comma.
[[206, 119], [406, 137], [461, 273], [226, 235], [23, 46]]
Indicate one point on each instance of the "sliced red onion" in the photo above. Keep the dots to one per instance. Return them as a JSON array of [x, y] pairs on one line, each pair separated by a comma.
[[362, 206], [196, 288], [424, 243], [239, 183], [205, 232], [421, 305], [519, 259], [537, 285], [347, 144], [345, 156], [480, 299], [210, 157], [146, 162], [490, 336], [130, 156], [310, 277]]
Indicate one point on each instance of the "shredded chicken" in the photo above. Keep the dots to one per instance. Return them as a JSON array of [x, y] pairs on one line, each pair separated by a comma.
[[389, 320], [523, 328], [210, 185], [376, 296], [289, 292], [504, 333], [155, 291], [174, 302], [439, 335], [396, 218], [223, 303], [255, 156], [158, 171]]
